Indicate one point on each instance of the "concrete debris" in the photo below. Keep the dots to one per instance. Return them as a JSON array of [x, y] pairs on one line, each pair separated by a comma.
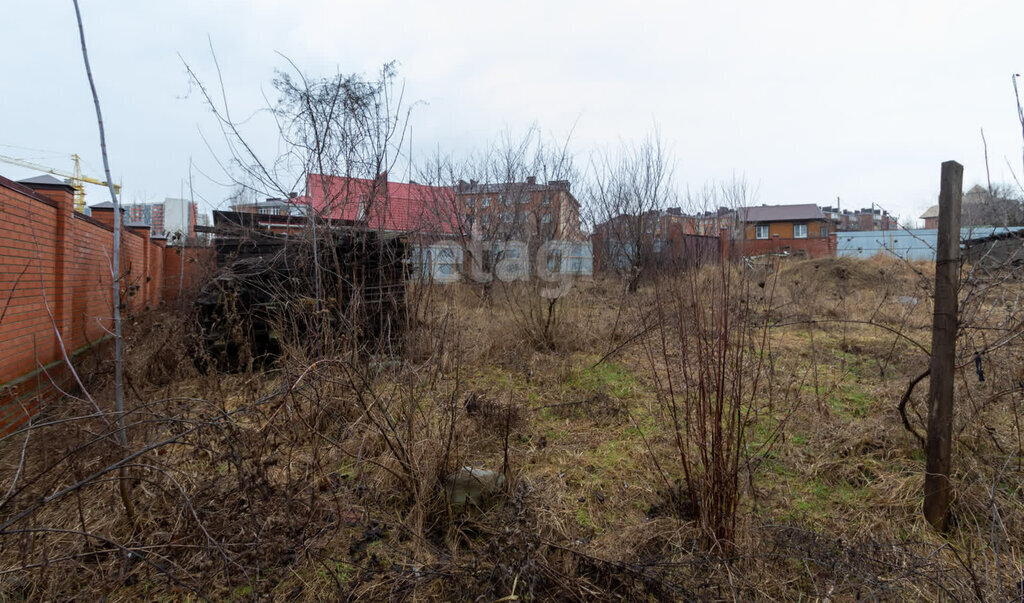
[[471, 485]]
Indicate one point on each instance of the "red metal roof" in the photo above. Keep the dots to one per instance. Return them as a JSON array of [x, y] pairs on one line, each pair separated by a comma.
[[390, 206]]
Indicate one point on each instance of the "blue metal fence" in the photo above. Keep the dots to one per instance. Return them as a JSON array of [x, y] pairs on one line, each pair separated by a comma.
[[917, 244]]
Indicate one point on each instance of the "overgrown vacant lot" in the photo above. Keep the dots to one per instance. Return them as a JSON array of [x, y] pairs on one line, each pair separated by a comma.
[[711, 437]]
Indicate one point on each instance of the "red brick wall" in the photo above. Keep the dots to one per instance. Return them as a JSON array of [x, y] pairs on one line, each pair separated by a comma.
[[815, 248], [28, 261], [55, 279], [198, 264]]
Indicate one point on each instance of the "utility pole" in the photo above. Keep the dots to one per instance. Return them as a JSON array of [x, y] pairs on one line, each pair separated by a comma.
[[944, 326]]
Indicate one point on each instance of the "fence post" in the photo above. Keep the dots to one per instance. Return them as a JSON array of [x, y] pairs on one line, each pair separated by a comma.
[[944, 325]]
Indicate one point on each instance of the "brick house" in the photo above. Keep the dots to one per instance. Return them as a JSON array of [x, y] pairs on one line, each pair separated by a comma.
[[931, 217], [799, 229], [294, 205], [520, 210], [979, 208], [655, 239], [867, 218], [427, 215], [710, 223], [442, 222]]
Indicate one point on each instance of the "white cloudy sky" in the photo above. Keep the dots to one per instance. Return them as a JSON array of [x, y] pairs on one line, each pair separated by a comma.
[[807, 100]]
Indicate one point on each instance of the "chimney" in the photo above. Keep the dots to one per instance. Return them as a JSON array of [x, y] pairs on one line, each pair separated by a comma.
[[531, 180]]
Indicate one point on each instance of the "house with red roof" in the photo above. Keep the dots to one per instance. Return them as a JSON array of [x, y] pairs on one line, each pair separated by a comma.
[[426, 214], [440, 221], [403, 207]]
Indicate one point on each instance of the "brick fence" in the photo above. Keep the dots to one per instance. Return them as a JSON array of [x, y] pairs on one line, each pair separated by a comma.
[[56, 287]]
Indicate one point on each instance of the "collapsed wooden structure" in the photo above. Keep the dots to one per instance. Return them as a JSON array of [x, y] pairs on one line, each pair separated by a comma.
[[279, 279]]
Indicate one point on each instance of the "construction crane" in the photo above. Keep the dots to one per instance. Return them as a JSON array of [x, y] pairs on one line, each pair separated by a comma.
[[75, 179]]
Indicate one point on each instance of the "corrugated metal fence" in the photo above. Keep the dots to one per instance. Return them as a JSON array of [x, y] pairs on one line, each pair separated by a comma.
[[917, 244]]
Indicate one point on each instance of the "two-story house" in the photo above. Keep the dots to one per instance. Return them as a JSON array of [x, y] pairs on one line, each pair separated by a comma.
[[801, 229]]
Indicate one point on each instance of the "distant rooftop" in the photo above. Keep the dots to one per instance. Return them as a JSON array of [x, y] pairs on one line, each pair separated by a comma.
[[45, 179], [106, 205], [531, 185], [781, 213]]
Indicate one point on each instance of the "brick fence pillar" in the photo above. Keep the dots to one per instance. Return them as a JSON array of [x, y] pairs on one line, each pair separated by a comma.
[[59, 301], [145, 278], [105, 215]]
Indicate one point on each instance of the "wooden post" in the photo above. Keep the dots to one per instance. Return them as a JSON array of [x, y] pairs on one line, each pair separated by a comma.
[[944, 324]]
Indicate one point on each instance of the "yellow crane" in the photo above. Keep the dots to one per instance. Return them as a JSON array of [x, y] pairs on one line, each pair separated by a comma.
[[76, 179]]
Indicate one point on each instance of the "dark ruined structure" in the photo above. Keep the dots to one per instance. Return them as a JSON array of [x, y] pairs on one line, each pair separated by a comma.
[[1000, 250], [268, 291]]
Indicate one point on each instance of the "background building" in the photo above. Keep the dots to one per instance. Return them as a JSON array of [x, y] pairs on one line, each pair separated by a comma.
[[173, 217], [801, 229], [866, 218], [520, 210], [294, 205]]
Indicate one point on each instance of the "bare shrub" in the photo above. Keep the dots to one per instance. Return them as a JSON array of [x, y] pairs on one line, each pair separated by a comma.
[[709, 359]]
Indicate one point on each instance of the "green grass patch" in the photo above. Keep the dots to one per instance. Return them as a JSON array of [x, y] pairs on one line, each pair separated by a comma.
[[339, 573], [608, 377], [818, 500], [583, 518], [849, 400]]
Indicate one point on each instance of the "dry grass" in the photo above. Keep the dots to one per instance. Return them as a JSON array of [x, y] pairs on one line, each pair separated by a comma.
[[290, 488]]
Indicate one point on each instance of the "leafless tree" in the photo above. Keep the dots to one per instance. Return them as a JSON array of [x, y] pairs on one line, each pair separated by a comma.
[[628, 192], [337, 134], [1000, 205], [508, 213], [115, 271]]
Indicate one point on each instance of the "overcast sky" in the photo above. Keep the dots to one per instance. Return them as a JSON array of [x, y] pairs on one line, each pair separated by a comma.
[[808, 101]]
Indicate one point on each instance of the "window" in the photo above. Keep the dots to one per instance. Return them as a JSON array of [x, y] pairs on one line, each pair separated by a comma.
[[505, 251], [799, 231], [547, 199], [485, 201], [502, 199], [824, 231], [470, 201], [545, 219], [761, 231], [555, 262]]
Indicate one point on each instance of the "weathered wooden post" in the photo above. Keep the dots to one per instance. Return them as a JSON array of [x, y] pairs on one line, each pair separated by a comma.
[[944, 324]]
